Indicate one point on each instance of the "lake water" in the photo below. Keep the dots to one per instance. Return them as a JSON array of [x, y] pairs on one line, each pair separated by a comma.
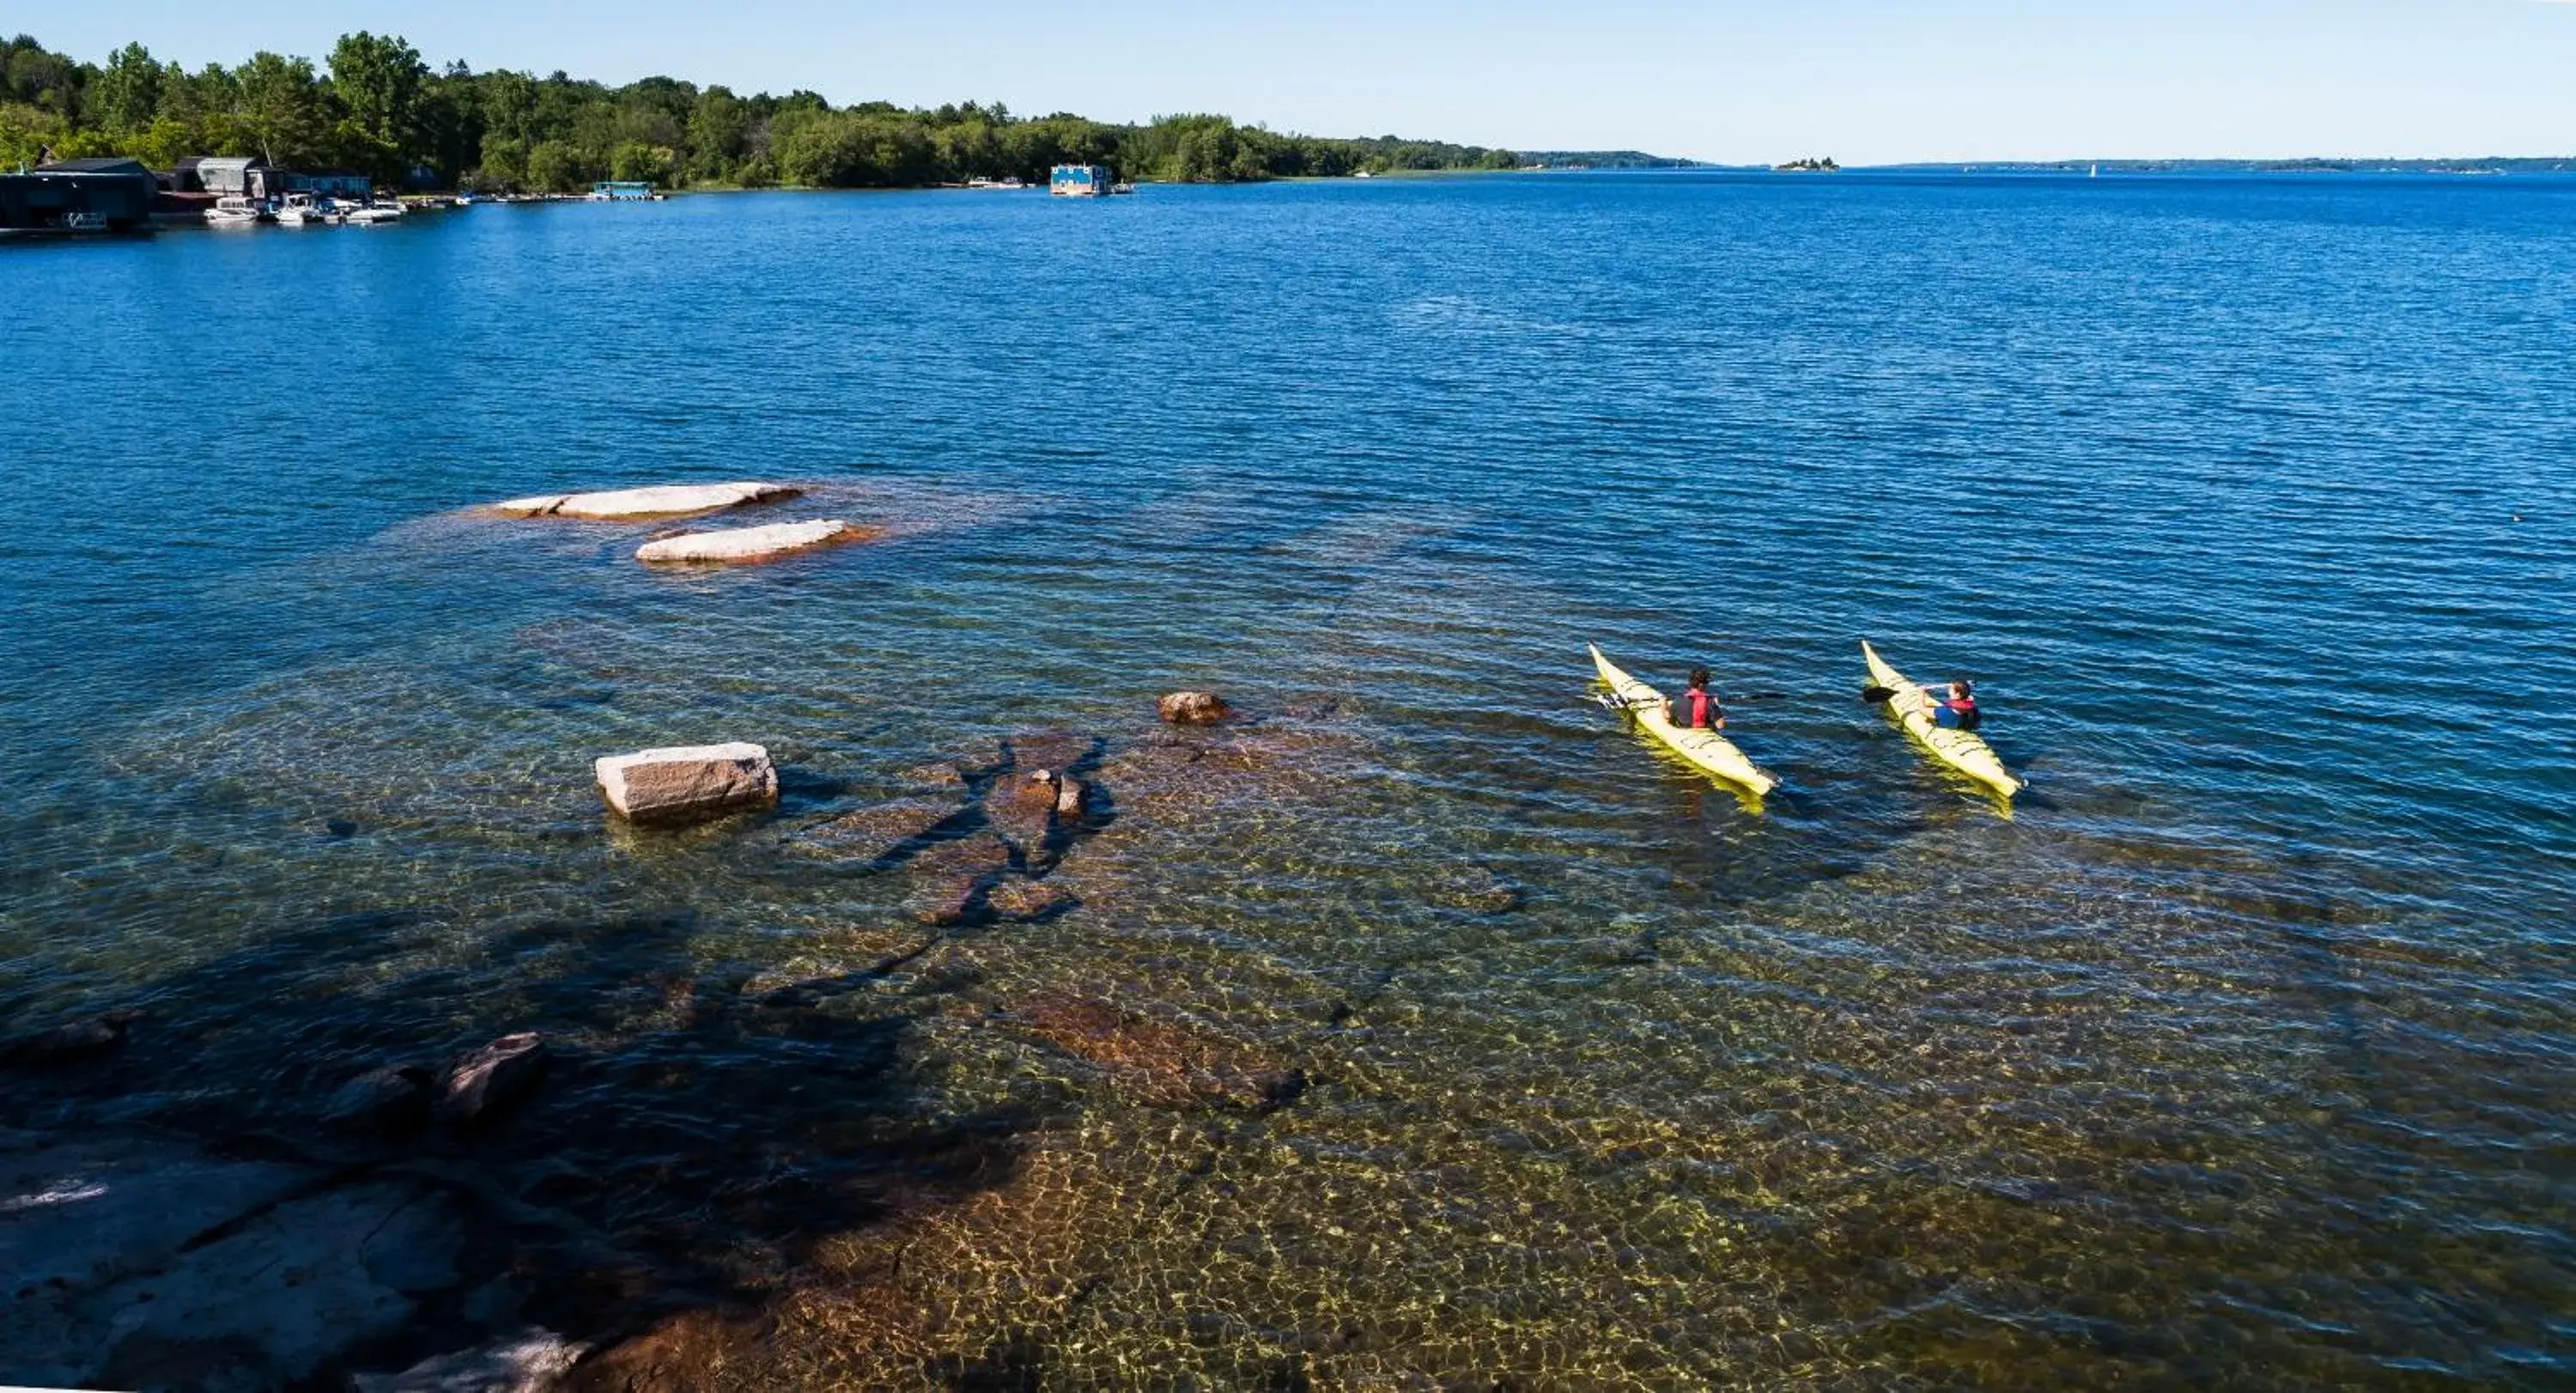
[[2237, 1052]]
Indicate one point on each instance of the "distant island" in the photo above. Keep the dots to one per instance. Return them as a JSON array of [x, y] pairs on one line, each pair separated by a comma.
[[1811, 165], [1604, 159], [376, 107]]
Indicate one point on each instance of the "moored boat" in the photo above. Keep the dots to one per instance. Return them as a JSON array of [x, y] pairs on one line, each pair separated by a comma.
[[233, 210], [1960, 749], [1707, 750]]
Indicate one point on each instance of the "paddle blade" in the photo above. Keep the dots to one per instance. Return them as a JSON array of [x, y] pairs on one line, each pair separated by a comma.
[[1876, 695]]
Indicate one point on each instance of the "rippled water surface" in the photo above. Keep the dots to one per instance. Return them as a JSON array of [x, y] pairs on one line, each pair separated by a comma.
[[2237, 1053]]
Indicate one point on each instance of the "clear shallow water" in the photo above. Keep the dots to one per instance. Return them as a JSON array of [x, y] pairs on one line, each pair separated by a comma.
[[2236, 1054]]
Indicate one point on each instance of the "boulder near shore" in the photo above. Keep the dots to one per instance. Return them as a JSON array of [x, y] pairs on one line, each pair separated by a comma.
[[657, 501], [1194, 708], [681, 783], [748, 543]]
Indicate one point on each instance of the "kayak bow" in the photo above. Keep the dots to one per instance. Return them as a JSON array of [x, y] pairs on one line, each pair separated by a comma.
[[1707, 750], [1960, 749]]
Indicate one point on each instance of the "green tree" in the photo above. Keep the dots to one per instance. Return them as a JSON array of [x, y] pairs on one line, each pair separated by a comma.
[[379, 81], [127, 95], [638, 162], [855, 150], [279, 108], [450, 134], [504, 162], [47, 81], [203, 101], [559, 166], [165, 142], [27, 132], [509, 102], [968, 149], [719, 133]]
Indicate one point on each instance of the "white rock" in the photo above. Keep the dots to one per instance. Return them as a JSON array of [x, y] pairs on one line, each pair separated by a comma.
[[529, 1362], [747, 543], [658, 501], [688, 781]]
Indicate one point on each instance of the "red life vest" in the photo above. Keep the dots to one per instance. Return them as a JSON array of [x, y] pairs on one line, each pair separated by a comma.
[[1702, 712]]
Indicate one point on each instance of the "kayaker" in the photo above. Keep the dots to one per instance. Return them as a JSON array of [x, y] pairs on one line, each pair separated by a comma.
[[1954, 704], [1698, 708]]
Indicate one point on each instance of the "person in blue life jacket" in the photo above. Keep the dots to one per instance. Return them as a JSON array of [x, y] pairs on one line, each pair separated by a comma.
[[1954, 704], [1698, 708]]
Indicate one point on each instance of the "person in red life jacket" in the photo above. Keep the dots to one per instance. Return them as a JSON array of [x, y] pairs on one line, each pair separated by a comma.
[[1954, 704], [1698, 708]]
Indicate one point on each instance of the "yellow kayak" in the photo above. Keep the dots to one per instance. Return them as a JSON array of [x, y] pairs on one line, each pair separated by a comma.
[[1706, 749], [1959, 749]]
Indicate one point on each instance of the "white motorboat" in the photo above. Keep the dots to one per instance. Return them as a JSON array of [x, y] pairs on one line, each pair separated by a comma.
[[381, 210], [302, 210], [233, 210]]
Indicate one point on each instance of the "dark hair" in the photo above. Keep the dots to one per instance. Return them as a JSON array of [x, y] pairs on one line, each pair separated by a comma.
[[1962, 686], [1699, 677]]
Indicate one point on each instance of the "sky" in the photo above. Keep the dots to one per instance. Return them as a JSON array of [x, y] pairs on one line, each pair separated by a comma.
[[1735, 81]]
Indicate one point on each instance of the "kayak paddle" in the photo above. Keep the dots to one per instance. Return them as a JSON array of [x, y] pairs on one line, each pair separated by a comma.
[[1613, 702]]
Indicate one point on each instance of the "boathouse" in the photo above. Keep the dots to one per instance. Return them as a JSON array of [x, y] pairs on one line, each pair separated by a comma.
[[1078, 181], [99, 195], [228, 177], [330, 183]]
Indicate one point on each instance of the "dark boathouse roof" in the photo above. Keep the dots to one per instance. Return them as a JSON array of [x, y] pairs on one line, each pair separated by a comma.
[[104, 164]]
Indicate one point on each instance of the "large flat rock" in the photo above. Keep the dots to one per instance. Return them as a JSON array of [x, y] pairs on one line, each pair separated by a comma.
[[657, 501], [140, 1261], [684, 782], [748, 543]]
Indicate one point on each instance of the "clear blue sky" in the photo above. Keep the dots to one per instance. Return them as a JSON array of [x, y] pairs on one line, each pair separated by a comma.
[[1735, 80]]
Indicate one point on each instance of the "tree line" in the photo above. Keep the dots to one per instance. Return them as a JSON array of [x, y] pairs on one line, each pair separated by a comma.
[[375, 105]]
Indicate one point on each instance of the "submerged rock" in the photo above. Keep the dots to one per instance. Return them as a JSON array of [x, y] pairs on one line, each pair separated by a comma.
[[886, 831], [749, 543], [380, 1100], [934, 776], [685, 1351], [1026, 899], [656, 501], [952, 878], [529, 1362], [1160, 1063], [683, 782], [68, 1044], [1193, 708], [1057, 751], [1038, 790], [1023, 809], [492, 1078], [1477, 890]]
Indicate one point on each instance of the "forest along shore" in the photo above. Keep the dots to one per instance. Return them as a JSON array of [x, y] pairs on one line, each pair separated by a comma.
[[376, 106]]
